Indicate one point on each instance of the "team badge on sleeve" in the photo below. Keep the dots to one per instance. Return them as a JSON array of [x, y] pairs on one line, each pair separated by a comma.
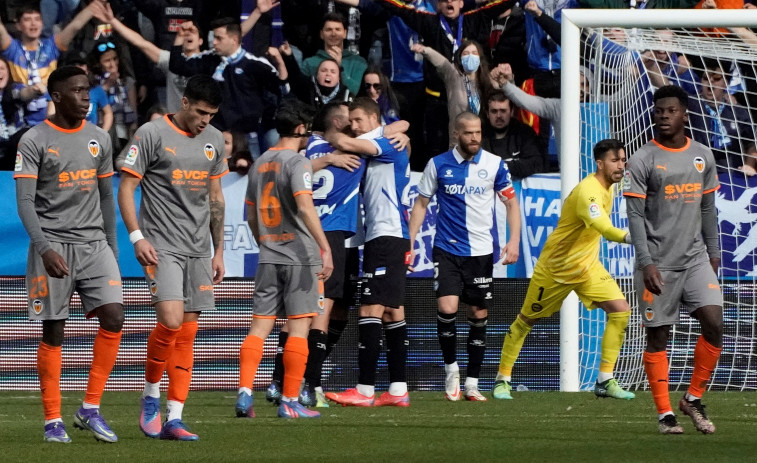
[[626, 180], [37, 306], [131, 155], [594, 210], [699, 164], [94, 148], [307, 180], [19, 162], [210, 151]]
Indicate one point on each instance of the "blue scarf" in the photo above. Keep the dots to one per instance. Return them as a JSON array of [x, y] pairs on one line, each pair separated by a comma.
[[720, 139], [225, 61]]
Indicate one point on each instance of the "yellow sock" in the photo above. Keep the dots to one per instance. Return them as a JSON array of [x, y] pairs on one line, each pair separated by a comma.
[[612, 340], [512, 345]]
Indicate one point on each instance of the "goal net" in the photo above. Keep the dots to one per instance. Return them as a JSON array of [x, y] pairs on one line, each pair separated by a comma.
[[717, 66]]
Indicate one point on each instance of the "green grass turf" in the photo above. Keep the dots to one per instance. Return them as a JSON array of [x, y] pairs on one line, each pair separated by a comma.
[[536, 426]]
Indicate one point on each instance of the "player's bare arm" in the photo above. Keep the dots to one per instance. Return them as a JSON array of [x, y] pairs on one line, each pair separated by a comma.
[[307, 212], [143, 250], [511, 251], [416, 220], [217, 210]]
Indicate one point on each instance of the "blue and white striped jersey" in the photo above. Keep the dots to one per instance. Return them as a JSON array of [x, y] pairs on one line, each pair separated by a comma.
[[336, 191], [465, 192], [385, 190]]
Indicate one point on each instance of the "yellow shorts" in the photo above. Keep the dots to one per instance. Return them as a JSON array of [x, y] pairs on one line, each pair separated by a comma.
[[545, 296]]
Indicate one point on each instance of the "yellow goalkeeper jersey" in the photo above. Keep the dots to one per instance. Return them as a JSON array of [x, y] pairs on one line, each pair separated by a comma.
[[573, 247]]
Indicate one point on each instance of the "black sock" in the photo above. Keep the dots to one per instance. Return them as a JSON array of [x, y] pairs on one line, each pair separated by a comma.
[[316, 356], [446, 331], [336, 328], [278, 363], [476, 346], [396, 350], [369, 347]]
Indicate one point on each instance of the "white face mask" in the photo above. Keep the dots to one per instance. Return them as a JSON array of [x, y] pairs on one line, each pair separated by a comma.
[[470, 63]]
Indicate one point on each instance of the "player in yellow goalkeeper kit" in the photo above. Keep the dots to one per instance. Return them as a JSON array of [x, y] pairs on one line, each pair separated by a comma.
[[570, 262]]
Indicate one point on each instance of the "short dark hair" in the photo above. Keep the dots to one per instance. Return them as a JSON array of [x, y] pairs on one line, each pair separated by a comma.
[[203, 88], [28, 9], [62, 74], [672, 91], [334, 17], [291, 114], [498, 96], [603, 147], [232, 26], [325, 115], [366, 104]]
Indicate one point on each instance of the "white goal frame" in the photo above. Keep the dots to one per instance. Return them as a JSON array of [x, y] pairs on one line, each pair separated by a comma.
[[570, 171]]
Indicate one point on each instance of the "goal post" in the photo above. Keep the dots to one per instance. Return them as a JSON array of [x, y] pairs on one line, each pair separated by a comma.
[[573, 317]]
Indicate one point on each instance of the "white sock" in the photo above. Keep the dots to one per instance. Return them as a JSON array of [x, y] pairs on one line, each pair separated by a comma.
[[602, 377], [663, 415], [245, 389], [398, 388], [53, 421], [151, 390], [366, 390], [501, 377], [319, 389], [691, 398], [288, 399], [87, 406], [451, 367], [173, 410], [471, 383]]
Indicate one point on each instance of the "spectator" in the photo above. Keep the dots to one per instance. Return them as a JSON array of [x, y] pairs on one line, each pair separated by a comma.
[[237, 152], [32, 59], [246, 80], [11, 116], [120, 88], [156, 112], [543, 44], [56, 12], [506, 40], [511, 139], [466, 79], [376, 86], [639, 4], [333, 34], [326, 86], [721, 124]]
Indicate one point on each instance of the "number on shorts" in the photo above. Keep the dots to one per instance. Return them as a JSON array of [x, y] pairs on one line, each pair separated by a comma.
[[38, 287], [270, 207], [541, 293], [647, 296], [328, 183]]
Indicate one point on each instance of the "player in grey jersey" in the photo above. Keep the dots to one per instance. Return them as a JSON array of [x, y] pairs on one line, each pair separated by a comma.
[[179, 161], [65, 200], [669, 188]]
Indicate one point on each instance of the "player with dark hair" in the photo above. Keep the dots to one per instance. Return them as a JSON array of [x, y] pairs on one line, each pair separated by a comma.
[[65, 200], [385, 258], [569, 262], [179, 161], [465, 180], [295, 259], [669, 189]]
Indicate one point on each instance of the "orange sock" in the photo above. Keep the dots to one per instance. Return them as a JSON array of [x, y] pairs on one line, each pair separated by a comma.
[[104, 353], [49, 364], [160, 344], [179, 365], [656, 366], [295, 361], [250, 355], [705, 358]]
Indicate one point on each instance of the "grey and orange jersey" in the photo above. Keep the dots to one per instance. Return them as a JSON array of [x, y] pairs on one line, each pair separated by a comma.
[[276, 178], [672, 182], [175, 169], [66, 164]]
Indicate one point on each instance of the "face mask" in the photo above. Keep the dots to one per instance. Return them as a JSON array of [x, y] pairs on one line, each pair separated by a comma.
[[470, 63]]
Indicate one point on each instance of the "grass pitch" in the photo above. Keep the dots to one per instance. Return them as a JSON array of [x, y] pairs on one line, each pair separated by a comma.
[[536, 426]]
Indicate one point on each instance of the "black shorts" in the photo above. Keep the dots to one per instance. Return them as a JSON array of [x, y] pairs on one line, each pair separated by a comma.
[[350, 295], [384, 270], [469, 277], [334, 286]]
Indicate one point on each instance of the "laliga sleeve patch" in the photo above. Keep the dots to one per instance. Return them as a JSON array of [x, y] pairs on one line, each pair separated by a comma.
[[131, 155], [594, 210], [307, 180], [626, 180], [19, 163]]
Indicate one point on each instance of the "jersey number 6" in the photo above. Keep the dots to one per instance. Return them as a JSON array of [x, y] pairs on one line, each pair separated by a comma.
[[270, 207]]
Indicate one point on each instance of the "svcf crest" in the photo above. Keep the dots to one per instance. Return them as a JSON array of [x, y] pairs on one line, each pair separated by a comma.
[[37, 306], [153, 288], [649, 314], [210, 151], [94, 148], [699, 164]]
